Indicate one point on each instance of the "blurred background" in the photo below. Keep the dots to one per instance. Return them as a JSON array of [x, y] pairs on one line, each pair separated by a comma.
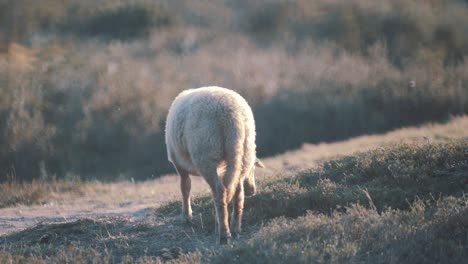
[[85, 85]]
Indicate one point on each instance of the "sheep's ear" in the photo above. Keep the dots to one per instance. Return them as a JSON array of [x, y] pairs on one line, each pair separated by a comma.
[[259, 164]]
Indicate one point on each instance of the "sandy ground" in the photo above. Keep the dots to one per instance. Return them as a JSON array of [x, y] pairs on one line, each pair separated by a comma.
[[137, 200]]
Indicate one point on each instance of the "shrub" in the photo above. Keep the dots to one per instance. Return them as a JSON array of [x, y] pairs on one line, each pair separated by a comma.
[[357, 25], [67, 99], [384, 178], [405, 203], [362, 235], [124, 21], [335, 108], [22, 18]]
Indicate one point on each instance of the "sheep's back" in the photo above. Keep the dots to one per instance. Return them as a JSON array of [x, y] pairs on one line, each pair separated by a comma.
[[197, 123]]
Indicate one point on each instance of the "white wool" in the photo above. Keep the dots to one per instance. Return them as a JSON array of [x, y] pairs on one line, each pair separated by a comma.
[[210, 132], [211, 126]]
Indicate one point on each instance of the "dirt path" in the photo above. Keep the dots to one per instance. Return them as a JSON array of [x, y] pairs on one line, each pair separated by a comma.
[[137, 200], [122, 199]]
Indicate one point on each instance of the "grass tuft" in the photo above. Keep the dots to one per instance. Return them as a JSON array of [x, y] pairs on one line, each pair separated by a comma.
[[362, 235], [37, 191]]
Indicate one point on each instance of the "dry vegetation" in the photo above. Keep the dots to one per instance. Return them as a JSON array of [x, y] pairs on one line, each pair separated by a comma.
[[401, 203], [85, 91], [76, 79], [36, 192]]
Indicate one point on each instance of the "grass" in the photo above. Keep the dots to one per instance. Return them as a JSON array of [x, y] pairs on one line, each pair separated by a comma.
[[398, 204], [392, 177], [37, 191], [115, 239], [79, 194], [75, 79], [425, 233]]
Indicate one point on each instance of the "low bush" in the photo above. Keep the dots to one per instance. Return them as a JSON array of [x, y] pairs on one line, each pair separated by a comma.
[[123, 21], [423, 234], [402, 204], [383, 178], [96, 106], [356, 25]]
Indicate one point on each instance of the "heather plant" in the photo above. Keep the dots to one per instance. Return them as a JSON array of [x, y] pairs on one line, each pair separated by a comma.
[[362, 235], [396, 203], [387, 177]]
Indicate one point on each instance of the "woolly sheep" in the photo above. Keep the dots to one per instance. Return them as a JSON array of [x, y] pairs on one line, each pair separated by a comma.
[[210, 132]]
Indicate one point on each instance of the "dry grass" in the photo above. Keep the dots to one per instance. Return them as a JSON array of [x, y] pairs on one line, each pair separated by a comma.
[[309, 154], [38, 191], [376, 206], [52, 203], [76, 79], [312, 71], [108, 240], [433, 232], [166, 187], [68, 191]]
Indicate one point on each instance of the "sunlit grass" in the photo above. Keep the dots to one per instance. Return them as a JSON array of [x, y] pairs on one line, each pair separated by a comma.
[[328, 71], [403, 203], [37, 191]]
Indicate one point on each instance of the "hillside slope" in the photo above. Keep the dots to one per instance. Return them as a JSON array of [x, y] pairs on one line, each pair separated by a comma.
[[311, 154], [387, 202]]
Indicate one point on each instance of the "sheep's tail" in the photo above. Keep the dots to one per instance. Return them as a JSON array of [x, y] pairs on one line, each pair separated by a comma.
[[234, 152]]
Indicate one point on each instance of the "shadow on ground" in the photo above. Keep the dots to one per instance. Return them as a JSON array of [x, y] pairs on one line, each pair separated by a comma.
[[116, 238]]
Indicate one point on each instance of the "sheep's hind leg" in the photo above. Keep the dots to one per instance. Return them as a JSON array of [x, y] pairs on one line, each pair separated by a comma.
[[185, 186], [220, 201], [237, 211]]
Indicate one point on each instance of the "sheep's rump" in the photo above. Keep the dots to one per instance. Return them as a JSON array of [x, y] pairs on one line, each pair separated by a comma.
[[210, 125]]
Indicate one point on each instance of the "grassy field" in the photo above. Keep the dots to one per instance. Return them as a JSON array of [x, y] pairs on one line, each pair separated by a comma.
[[401, 198], [76, 77], [360, 109]]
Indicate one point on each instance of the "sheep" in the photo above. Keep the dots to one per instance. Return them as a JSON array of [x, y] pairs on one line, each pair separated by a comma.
[[210, 132]]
